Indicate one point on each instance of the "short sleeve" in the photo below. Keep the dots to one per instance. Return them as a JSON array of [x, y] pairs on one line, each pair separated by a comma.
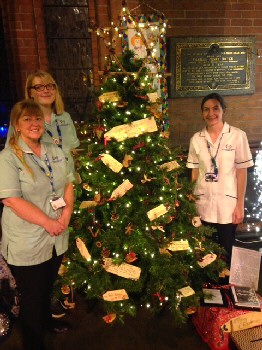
[[243, 153], [9, 183], [192, 159], [74, 139]]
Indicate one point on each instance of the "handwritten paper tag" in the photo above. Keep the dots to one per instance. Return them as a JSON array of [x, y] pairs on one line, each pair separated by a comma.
[[186, 291], [134, 129], [170, 165], [111, 162], [122, 189], [87, 204], [164, 251], [82, 249], [246, 321], [115, 295], [156, 212], [153, 96], [111, 96], [207, 259], [175, 246], [124, 270]]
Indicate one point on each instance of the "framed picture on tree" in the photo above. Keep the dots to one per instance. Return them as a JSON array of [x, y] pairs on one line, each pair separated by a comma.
[[145, 36]]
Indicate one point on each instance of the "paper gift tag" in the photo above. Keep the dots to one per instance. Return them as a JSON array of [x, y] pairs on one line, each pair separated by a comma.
[[111, 96], [207, 259], [134, 129], [164, 251], [186, 291], [246, 321], [111, 162], [122, 189], [175, 246], [87, 204], [82, 249], [153, 96], [115, 295], [123, 270], [156, 212]]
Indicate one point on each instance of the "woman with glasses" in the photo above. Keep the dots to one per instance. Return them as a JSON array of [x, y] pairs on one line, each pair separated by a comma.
[[219, 156], [59, 127], [37, 193]]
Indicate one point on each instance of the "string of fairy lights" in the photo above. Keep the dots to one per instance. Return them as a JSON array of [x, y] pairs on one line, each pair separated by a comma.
[[254, 214]]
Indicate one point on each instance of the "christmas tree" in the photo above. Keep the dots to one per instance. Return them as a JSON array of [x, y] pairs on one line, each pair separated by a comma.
[[135, 235]]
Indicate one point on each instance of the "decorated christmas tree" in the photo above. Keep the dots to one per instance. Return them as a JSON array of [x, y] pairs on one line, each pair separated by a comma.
[[136, 240]]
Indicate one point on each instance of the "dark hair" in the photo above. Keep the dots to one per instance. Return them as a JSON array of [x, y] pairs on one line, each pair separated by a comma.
[[214, 96]]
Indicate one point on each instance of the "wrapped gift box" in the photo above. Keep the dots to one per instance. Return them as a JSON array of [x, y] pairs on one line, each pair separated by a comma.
[[248, 339], [215, 323]]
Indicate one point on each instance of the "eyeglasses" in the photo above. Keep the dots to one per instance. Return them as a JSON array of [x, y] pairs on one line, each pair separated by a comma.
[[40, 87]]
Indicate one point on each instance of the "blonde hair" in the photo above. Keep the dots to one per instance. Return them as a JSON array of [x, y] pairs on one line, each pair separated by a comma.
[[58, 104], [24, 107]]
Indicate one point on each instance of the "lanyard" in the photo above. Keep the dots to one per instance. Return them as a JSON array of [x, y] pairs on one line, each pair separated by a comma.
[[58, 141], [213, 158], [48, 173]]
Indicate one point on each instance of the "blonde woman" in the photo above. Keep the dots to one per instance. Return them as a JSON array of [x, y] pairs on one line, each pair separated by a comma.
[[59, 126], [37, 192]]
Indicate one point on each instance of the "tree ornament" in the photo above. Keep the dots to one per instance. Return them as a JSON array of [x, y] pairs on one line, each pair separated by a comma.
[[65, 289], [148, 159], [191, 310], [131, 257], [87, 187], [98, 132], [97, 197], [105, 253], [99, 244], [115, 217], [166, 180], [99, 105], [177, 204], [129, 229], [159, 297], [196, 221], [109, 318], [127, 160], [191, 197], [94, 234]]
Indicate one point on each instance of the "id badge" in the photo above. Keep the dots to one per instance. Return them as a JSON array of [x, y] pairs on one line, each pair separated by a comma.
[[211, 177], [57, 202]]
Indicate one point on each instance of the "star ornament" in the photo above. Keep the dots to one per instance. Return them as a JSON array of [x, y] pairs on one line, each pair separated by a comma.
[[191, 197], [129, 229]]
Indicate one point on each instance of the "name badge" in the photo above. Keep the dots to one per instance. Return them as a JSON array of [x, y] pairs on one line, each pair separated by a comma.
[[211, 177], [57, 202]]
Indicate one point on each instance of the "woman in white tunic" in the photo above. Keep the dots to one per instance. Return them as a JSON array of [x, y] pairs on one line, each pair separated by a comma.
[[219, 156]]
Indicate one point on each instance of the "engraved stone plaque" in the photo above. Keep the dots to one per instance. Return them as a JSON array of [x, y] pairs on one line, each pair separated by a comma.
[[200, 65]]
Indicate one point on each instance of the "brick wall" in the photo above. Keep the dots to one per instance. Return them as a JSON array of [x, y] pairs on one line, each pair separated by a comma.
[[27, 50], [25, 40]]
